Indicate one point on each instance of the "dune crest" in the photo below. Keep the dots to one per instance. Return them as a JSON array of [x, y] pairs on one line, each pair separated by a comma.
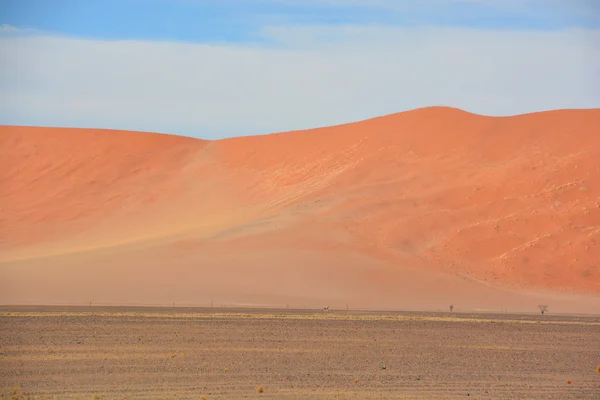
[[409, 210]]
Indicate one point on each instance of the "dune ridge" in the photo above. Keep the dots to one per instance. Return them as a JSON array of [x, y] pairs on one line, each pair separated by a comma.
[[411, 210]]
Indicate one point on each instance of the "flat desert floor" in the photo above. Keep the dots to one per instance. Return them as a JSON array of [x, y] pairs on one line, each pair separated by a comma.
[[191, 353]]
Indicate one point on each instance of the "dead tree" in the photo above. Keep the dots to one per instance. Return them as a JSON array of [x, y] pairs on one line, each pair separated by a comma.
[[543, 308]]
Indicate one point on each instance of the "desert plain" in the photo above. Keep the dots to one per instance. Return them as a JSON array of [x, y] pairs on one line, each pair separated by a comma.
[[213, 353]]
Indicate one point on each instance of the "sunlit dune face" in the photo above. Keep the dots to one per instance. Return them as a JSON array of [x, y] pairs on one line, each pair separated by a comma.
[[351, 212]]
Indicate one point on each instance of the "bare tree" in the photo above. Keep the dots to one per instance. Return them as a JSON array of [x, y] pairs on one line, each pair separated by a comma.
[[543, 308], [451, 307]]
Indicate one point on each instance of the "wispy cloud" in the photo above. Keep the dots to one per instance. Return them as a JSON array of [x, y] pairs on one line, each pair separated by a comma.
[[5, 28], [318, 75]]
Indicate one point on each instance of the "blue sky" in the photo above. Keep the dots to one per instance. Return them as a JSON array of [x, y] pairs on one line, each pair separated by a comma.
[[202, 21], [222, 68]]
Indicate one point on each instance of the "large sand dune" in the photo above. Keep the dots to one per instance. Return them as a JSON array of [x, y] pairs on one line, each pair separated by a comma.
[[415, 210]]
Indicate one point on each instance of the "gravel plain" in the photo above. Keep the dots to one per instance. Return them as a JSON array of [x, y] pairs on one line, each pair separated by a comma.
[[162, 353]]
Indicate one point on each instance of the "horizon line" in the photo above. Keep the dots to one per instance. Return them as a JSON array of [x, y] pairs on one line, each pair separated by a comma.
[[417, 109]]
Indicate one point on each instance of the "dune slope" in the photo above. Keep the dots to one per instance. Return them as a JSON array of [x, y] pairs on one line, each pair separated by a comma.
[[413, 210]]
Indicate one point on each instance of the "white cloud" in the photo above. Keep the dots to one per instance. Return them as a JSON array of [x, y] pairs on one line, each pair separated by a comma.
[[314, 76]]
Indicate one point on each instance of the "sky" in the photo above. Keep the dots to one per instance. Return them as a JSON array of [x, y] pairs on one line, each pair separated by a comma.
[[222, 68]]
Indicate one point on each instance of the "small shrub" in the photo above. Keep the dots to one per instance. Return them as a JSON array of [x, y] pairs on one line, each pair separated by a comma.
[[569, 382], [355, 380], [598, 368], [260, 389]]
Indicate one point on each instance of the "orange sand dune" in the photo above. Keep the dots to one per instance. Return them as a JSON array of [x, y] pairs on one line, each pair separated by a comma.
[[414, 210]]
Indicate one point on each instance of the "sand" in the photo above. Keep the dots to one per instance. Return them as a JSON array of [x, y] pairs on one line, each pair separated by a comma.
[[416, 210]]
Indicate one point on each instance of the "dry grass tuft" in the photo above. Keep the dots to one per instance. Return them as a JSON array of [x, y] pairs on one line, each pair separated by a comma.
[[226, 370], [355, 380], [260, 389], [569, 381], [173, 355]]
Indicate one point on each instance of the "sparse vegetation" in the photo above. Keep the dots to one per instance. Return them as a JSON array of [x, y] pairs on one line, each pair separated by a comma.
[[260, 389], [451, 307], [293, 316], [543, 308]]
